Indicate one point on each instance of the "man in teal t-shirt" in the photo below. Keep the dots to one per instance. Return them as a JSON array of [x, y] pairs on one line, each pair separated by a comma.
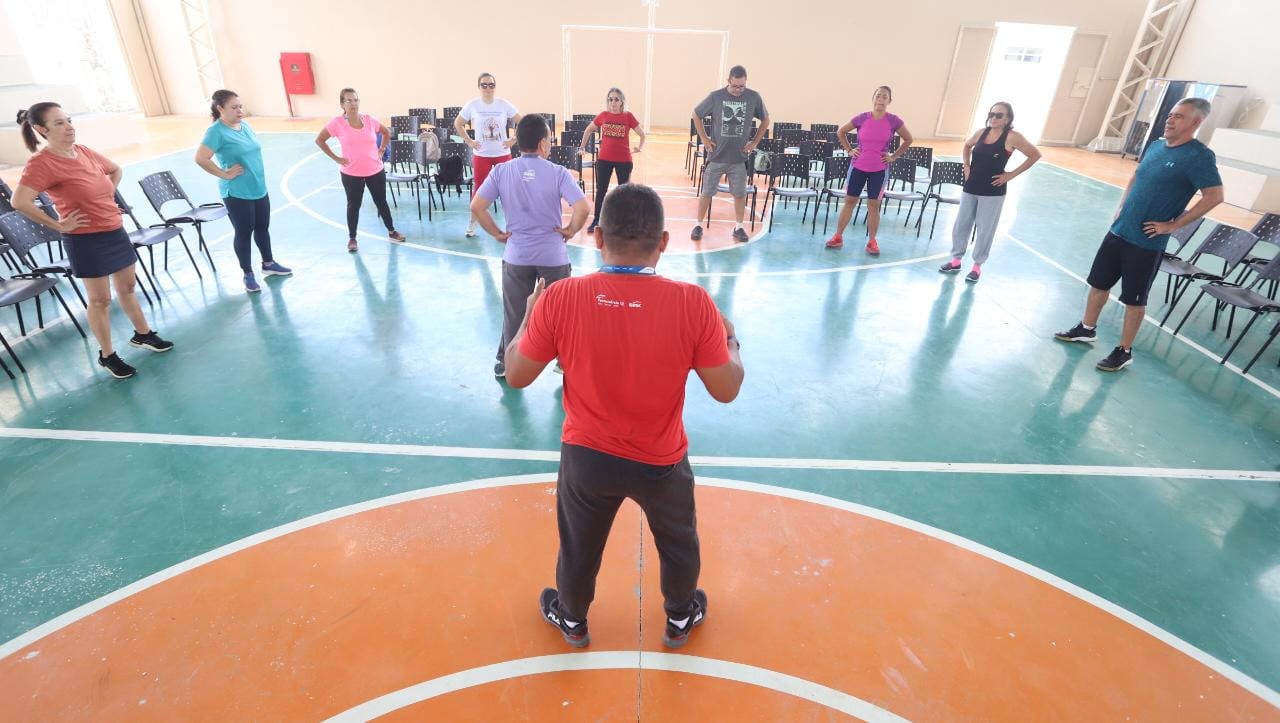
[[1154, 205]]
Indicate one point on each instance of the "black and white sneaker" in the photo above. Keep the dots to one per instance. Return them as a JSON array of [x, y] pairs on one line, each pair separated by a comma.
[[696, 234], [1078, 333], [500, 370], [677, 632], [1118, 359], [150, 340], [116, 366], [575, 633]]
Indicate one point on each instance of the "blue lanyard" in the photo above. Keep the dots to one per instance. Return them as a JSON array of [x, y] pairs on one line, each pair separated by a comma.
[[643, 270]]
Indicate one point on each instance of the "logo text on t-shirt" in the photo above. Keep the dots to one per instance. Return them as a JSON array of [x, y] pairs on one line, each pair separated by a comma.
[[602, 300]]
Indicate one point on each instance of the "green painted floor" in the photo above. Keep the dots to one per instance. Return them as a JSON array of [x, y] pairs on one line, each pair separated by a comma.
[[848, 358]]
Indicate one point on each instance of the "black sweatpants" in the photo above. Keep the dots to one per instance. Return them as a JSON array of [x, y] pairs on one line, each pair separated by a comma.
[[354, 186], [589, 491], [604, 169], [250, 218]]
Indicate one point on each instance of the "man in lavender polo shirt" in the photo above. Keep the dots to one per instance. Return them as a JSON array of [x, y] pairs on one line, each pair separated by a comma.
[[532, 189]]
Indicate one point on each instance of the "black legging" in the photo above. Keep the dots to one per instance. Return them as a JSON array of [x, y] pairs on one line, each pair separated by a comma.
[[604, 169], [354, 186], [250, 217]]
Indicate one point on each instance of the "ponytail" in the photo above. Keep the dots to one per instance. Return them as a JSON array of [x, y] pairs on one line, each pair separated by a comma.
[[220, 99], [31, 117]]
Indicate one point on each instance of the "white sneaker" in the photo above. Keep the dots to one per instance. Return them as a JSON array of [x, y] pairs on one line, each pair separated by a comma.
[[471, 229]]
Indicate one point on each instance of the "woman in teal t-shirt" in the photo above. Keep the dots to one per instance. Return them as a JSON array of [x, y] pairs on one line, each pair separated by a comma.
[[242, 182]]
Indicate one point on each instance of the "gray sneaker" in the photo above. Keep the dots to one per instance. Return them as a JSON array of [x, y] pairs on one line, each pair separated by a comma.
[[1118, 359], [696, 234], [740, 235]]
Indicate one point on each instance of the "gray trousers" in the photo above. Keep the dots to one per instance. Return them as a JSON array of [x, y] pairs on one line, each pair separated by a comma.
[[517, 284], [982, 211]]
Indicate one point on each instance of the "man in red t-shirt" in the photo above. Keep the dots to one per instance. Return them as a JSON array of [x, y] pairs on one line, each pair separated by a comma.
[[627, 339]]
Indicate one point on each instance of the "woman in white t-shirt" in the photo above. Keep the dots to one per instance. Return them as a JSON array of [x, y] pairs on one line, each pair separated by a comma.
[[489, 117], [361, 162]]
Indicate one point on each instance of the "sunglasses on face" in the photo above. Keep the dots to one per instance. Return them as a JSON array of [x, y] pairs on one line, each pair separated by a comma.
[[488, 85], [997, 116]]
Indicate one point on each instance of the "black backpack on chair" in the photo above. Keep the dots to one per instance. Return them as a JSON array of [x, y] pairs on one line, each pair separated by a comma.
[[450, 173]]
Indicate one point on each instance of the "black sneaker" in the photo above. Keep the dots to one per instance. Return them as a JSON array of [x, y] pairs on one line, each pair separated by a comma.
[[951, 267], [1078, 333], [696, 234], [592, 228], [150, 340], [575, 634], [500, 370], [1118, 359], [116, 366], [677, 635], [740, 235]]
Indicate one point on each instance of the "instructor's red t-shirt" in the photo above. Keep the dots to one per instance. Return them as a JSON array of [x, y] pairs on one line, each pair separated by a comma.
[[627, 343], [614, 131]]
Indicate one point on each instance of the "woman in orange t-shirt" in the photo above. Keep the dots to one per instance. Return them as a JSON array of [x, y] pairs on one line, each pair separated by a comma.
[[82, 184]]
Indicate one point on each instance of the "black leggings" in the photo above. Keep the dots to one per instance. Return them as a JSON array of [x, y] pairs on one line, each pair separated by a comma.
[[354, 186], [604, 169], [250, 218]]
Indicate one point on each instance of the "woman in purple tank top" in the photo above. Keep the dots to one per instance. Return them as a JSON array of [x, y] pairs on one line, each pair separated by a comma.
[[876, 129]]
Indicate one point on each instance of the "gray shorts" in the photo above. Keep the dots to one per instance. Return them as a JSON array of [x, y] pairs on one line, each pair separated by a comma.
[[737, 173]]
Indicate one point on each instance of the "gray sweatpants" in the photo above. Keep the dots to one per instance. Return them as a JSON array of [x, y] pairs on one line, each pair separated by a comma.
[[517, 284], [983, 211]]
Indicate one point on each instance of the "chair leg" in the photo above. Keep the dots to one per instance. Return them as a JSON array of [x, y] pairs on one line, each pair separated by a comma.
[[71, 280], [148, 275], [22, 325], [1274, 331], [194, 265], [1240, 338], [18, 361], [934, 226], [67, 309], [5, 367], [205, 247], [1188, 314], [1176, 298]]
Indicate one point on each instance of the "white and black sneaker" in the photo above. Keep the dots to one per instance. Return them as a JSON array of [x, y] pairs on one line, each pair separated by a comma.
[[575, 633], [1078, 333], [677, 632], [500, 370], [152, 341], [1118, 359], [114, 364]]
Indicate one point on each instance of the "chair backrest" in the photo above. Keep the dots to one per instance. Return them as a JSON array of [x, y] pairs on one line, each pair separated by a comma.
[[406, 153], [1268, 272], [947, 172], [903, 169], [1228, 243], [424, 115], [771, 145], [1183, 234], [837, 169], [126, 209], [450, 112], [1268, 228], [161, 188], [794, 136], [789, 167], [454, 149], [817, 149], [22, 234], [567, 156], [588, 117], [780, 126], [571, 137], [6, 193], [823, 127], [922, 155], [404, 124], [576, 126]]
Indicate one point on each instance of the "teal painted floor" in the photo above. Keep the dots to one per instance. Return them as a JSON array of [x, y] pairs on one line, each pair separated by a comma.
[[847, 357]]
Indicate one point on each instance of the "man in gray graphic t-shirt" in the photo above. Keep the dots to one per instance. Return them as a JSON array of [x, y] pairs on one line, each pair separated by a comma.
[[731, 109]]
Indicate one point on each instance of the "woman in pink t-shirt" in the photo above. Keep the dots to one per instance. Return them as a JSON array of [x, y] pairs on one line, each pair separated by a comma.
[[361, 162], [871, 159], [615, 124]]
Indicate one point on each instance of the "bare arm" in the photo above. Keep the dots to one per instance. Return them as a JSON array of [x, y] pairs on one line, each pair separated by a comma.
[[755, 141], [701, 131], [322, 141], [386, 139], [204, 159], [480, 207], [24, 202], [842, 136], [1209, 197], [521, 370], [966, 153], [587, 132], [724, 382], [462, 131], [1026, 148], [576, 220], [1127, 187], [640, 132], [907, 140]]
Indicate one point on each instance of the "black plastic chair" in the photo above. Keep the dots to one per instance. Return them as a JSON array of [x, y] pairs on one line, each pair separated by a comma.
[[1267, 229], [900, 185], [834, 182], [149, 237], [408, 166], [454, 149], [945, 173], [1181, 236], [923, 156], [161, 188], [426, 116], [776, 129], [588, 117], [568, 157], [23, 236], [1226, 242], [21, 287], [793, 137], [789, 179], [1240, 297], [817, 128], [404, 125]]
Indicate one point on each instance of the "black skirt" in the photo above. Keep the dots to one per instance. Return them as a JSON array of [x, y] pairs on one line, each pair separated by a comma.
[[98, 254]]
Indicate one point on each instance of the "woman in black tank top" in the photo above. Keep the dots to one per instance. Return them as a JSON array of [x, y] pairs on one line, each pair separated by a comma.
[[986, 154]]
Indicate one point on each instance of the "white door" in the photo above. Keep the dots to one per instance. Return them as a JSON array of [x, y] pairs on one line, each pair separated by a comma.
[[964, 81]]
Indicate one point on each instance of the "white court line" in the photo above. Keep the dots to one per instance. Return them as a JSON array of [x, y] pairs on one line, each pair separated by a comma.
[[539, 455], [1253, 686], [1155, 322], [619, 660]]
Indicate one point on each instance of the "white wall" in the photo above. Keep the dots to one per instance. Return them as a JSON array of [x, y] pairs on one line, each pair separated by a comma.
[[1233, 42]]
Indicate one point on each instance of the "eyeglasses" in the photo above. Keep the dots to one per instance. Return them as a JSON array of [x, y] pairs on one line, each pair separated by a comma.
[[997, 116], [488, 85], [351, 100], [615, 100]]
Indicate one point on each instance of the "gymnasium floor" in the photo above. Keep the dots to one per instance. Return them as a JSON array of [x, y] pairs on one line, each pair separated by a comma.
[[921, 507]]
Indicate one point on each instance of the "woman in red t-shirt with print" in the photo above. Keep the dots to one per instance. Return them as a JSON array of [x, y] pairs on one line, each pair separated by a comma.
[[614, 125]]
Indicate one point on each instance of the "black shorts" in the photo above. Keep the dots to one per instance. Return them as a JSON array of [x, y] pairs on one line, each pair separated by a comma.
[[97, 254], [872, 180], [1133, 266]]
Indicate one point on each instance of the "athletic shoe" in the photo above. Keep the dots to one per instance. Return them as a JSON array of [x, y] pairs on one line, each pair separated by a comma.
[[396, 236], [677, 634], [575, 634], [1118, 359], [740, 235], [116, 366], [272, 268], [150, 340], [951, 267], [1078, 333], [352, 246], [873, 248], [974, 273], [500, 370], [835, 242], [471, 230], [251, 284], [696, 234]]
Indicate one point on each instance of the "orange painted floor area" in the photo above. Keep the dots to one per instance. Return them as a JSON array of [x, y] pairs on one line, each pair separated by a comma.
[[315, 622]]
